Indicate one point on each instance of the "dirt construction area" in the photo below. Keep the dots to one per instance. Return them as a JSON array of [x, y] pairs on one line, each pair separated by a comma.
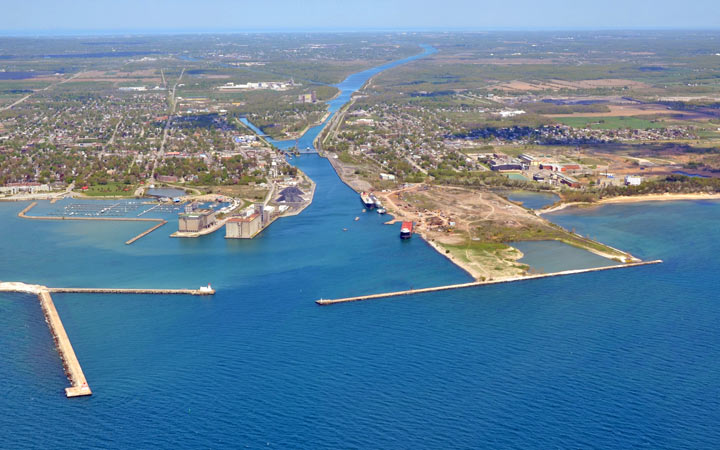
[[472, 226], [449, 217]]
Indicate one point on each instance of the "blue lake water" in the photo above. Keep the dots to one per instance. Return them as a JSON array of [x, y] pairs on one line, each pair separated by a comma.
[[613, 359], [20, 75], [556, 256], [688, 174], [618, 359], [532, 200]]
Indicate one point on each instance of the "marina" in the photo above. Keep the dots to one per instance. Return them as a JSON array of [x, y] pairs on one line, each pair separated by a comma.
[[161, 222]]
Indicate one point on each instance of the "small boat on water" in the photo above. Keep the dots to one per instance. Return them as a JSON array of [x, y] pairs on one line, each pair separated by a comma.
[[381, 210], [356, 219], [406, 230]]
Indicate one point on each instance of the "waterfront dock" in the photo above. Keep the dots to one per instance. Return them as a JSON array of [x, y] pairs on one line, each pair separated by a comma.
[[79, 385], [324, 302], [160, 222]]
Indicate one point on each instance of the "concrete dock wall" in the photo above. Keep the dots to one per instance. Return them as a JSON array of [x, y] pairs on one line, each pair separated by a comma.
[[131, 291], [323, 302]]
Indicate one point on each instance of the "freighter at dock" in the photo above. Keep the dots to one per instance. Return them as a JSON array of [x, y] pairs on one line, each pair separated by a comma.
[[406, 230], [367, 200]]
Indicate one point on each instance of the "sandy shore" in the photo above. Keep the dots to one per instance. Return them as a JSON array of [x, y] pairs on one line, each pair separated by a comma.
[[466, 267], [660, 197], [635, 199]]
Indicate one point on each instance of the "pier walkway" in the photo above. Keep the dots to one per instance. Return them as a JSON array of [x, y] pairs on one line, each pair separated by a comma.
[[79, 386], [146, 232], [130, 291], [67, 354], [323, 302]]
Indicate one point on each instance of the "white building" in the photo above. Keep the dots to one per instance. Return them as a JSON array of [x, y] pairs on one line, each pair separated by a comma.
[[17, 188], [633, 180]]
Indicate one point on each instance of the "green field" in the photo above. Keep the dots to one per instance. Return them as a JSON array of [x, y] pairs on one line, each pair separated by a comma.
[[109, 190], [611, 123]]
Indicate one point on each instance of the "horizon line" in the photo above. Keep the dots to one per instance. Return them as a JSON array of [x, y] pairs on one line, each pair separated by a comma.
[[189, 31]]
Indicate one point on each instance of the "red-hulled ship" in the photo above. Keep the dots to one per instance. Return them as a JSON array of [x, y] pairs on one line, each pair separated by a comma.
[[406, 230]]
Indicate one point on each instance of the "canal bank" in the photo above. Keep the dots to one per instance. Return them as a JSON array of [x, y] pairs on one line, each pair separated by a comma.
[[337, 107]]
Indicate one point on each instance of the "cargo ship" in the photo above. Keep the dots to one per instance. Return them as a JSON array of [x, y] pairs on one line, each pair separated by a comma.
[[367, 200], [406, 230]]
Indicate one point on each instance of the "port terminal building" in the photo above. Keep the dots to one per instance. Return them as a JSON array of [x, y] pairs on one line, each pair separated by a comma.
[[243, 227], [196, 220]]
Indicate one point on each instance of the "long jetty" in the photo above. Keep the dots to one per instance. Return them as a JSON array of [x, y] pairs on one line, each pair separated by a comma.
[[324, 302], [79, 385], [146, 232], [161, 222], [201, 291], [67, 354]]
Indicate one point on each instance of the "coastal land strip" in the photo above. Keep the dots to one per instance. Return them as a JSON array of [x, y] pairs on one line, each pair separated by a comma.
[[632, 199]]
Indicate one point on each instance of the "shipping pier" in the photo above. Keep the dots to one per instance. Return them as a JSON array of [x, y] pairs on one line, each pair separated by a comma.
[[324, 302], [78, 384]]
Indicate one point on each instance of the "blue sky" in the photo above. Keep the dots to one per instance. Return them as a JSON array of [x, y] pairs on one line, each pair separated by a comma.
[[57, 16]]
